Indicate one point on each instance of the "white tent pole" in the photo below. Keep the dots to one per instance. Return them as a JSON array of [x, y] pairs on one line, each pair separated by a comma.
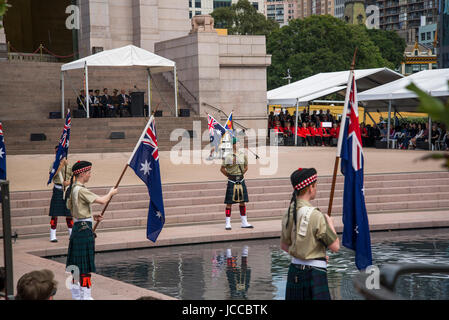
[[175, 79], [62, 94], [149, 92], [388, 124], [296, 125], [87, 89]]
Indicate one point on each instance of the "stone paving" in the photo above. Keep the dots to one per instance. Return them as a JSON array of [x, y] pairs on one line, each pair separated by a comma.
[[29, 173]]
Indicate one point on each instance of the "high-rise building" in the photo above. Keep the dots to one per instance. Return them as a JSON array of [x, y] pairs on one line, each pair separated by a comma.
[[406, 16], [197, 7], [284, 11]]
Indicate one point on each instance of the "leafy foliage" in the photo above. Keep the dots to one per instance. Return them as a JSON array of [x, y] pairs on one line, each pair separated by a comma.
[[322, 43], [242, 18]]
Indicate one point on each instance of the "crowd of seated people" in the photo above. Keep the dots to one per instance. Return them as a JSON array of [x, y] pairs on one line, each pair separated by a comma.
[[105, 105], [311, 132], [409, 135]]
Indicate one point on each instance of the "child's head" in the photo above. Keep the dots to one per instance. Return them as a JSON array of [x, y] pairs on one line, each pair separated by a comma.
[[304, 182]]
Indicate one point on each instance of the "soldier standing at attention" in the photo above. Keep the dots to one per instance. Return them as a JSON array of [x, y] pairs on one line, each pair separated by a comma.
[[234, 167]]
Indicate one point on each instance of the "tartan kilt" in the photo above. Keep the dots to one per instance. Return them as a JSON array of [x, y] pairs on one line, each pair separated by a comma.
[[230, 193], [307, 284], [58, 207], [81, 252]]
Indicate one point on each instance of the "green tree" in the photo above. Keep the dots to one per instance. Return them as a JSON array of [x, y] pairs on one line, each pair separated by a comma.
[[242, 18], [3, 8], [319, 43], [391, 45]]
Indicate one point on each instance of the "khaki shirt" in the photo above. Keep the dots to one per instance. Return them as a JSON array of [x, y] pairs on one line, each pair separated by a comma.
[[82, 209], [237, 169], [318, 237], [57, 176]]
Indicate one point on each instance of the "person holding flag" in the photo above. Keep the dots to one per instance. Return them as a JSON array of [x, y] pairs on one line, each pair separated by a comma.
[[60, 173], [356, 234], [81, 251], [145, 162], [306, 234]]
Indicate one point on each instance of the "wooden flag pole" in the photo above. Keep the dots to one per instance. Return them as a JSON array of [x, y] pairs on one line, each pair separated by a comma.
[[124, 170], [107, 203], [337, 158]]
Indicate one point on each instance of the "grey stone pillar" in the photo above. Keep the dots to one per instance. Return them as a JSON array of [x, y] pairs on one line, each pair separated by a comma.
[[94, 26]]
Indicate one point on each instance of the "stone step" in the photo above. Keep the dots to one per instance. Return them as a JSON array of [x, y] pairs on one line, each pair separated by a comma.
[[211, 204], [138, 218], [177, 198], [282, 184]]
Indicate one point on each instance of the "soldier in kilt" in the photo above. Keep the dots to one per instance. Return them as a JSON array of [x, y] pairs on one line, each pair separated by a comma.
[[306, 233], [58, 206], [234, 167], [81, 251]]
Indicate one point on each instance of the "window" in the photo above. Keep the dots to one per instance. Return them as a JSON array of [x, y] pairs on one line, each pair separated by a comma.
[[423, 36], [190, 14], [428, 35], [197, 3], [197, 13], [222, 3]]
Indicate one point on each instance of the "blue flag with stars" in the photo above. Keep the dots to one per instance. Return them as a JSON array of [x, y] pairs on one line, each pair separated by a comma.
[[2, 155], [145, 163], [356, 234], [63, 147]]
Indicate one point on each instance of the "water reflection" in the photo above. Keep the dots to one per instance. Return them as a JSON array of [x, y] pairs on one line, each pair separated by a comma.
[[257, 269]]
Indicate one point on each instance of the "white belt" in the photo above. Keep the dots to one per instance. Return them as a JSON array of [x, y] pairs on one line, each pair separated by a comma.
[[57, 186], [81, 220], [313, 263]]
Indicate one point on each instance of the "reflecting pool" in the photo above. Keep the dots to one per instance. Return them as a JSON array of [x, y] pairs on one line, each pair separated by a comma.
[[257, 269]]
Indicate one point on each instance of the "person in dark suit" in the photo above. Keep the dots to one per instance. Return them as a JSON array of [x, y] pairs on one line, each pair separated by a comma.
[[124, 106], [92, 105], [98, 110], [106, 102], [81, 100]]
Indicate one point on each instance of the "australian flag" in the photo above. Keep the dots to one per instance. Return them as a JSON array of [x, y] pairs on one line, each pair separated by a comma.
[[356, 234], [145, 163], [63, 147], [2, 155]]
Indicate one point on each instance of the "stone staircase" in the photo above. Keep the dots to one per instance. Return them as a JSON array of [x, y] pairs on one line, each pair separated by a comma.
[[199, 203], [31, 90], [92, 135]]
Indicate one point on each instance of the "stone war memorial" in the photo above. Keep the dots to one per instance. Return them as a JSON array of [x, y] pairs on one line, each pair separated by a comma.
[[177, 175]]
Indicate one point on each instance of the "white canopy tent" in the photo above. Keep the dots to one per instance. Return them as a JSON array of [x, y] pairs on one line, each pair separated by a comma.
[[122, 57], [395, 94], [323, 84]]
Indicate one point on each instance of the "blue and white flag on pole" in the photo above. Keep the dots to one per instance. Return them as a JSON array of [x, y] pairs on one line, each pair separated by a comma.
[[356, 234], [145, 163], [63, 147]]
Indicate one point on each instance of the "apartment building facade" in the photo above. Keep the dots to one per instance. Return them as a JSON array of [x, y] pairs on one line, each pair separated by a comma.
[[198, 7], [284, 11]]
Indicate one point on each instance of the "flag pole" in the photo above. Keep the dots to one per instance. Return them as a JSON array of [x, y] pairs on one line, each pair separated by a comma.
[[64, 189], [123, 172], [340, 136]]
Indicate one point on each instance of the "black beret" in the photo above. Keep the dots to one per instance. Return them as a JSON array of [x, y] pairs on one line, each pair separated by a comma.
[[302, 178]]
